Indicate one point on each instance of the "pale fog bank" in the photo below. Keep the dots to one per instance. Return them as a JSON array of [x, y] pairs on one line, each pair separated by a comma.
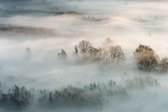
[[32, 33]]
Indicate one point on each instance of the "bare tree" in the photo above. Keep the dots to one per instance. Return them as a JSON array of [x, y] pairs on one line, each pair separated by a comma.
[[94, 54], [112, 53], [84, 46]]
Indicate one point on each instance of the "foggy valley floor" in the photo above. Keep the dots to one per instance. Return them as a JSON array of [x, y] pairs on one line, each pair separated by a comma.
[[44, 68]]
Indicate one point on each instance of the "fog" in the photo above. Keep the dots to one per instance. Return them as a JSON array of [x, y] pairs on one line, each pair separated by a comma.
[[32, 33]]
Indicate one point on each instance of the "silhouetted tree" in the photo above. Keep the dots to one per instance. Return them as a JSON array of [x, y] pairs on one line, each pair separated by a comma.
[[62, 54], [76, 50], [16, 97]]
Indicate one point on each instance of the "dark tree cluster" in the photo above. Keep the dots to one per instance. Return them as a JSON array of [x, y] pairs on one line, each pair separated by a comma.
[[70, 96], [148, 60], [92, 94], [16, 97]]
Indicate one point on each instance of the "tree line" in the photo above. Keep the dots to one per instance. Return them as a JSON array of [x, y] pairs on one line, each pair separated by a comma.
[[146, 58], [91, 95]]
